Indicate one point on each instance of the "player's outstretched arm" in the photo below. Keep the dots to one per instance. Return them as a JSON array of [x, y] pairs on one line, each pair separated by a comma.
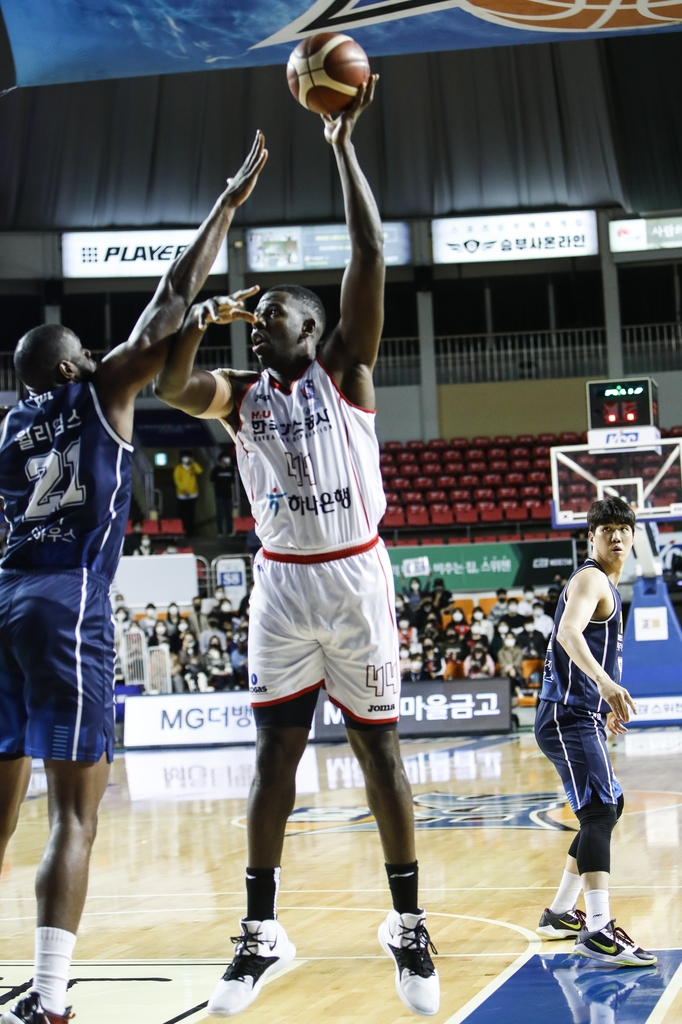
[[351, 351], [585, 593], [179, 383], [130, 366]]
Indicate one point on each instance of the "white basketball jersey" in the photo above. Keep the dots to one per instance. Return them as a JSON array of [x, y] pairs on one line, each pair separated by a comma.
[[309, 460]]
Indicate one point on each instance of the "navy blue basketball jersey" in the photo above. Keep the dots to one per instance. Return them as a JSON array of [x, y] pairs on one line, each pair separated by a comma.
[[65, 476], [563, 682]]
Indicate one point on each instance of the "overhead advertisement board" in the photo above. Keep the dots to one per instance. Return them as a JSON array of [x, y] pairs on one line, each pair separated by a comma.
[[318, 247], [643, 233], [517, 236], [127, 253], [487, 566]]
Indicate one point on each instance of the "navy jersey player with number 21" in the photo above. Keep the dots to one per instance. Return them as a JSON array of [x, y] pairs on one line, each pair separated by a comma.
[[65, 478], [581, 694]]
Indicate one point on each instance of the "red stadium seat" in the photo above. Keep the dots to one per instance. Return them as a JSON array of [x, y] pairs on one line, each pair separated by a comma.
[[150, 526], [462, 506], [173, 526], [503, 441], [491, 479], [469, 480], [441, 514], [577, 489], [242, 524], [484, 494], [525, 439], [428, 541], [498, 465], [437, 444], [405, 457], [458, 442], [477, 467], [394, 517], [446, 481], [480, 505], [386, 459], [547, 439], [530, 502], [410, 469], [547, 490], [541, 511], [509, 538], [453, 467], [129, 527], [389, 471], [497, 453], [507, 492], [519, 452], [401, 483], [474, 453], [460, 494], [516, 513], [415, 446], [411, 497], [520, 465], [569, 437], [513, 479], [463, 518], [429, 457], [481, 442], [417, 515], [434, 497], [541, 463], [492, 515], [393, 446], [536, 536], [423, 483], [532, 491]]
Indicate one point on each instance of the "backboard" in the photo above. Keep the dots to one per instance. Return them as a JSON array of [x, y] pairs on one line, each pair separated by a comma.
[[648, 478]]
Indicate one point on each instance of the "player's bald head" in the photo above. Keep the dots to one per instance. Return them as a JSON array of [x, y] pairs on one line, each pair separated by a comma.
[[48, 356]]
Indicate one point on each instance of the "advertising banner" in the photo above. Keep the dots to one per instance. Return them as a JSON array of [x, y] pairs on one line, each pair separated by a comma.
[[487, 566], [439, 707], [188, 720], [517, 236], [128, 253], [318, 247]]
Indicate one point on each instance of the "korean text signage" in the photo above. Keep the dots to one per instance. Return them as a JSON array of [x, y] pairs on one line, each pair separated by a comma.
[[317, 247], [487, 566], [640, 234], [189, 720], [127, 253], [522, 236], [437, 707]]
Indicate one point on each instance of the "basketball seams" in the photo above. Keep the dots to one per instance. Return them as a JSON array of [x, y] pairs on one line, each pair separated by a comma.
[[307, 72]]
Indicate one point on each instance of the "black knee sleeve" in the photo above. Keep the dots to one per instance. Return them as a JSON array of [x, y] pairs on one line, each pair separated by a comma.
[[593, 847]]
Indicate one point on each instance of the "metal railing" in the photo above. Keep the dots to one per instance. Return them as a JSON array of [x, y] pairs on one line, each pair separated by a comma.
[[478, 358]]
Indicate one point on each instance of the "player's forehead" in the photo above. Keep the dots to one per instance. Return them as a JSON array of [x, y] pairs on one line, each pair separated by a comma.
[[610, 526], [274, 298]]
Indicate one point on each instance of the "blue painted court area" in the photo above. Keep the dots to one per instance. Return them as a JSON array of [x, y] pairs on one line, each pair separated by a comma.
[[566, 989]]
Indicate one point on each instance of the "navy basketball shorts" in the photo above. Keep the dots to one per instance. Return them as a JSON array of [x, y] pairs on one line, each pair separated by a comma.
[[56, 665], [574, 740]]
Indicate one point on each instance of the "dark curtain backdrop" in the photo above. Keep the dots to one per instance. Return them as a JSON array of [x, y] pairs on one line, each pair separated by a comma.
[[586, 123]]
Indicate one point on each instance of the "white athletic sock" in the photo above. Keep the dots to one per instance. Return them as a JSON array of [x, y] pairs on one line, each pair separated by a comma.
[[54, 950], [567, 893], [597, 907]]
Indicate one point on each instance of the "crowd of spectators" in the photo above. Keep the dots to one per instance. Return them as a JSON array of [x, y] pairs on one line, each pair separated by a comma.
[[206, 648], [441, 639]]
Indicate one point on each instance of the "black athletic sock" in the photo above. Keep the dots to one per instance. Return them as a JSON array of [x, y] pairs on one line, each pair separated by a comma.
[[403, 881], [262, 885]]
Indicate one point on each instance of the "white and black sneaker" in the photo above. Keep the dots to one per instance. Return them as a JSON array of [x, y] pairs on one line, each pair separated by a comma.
[[29, 1010], [611, 945], [261, 951], [405, 938], [561, 926]]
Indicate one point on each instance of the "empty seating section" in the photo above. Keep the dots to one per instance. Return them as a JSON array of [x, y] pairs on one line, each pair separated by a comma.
[[466, 481]]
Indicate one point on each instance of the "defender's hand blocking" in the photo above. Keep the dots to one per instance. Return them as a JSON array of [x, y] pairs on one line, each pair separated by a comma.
[[618, 699], [338, 130], [242, 185], [225, 309]]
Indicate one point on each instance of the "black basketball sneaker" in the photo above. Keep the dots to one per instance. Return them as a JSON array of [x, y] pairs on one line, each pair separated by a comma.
[[405, 938], [612, 946], [561, 926], [29, 1010], [262, 950]]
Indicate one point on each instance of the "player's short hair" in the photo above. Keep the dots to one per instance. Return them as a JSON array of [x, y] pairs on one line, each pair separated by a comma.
[[38, 353], [309, 299], [610, 510]]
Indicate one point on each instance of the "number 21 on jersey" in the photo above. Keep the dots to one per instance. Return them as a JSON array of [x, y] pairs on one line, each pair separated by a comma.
[[57, 484]]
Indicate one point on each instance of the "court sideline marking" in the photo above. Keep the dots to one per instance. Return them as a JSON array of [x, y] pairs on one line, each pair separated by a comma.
[[660, 1010]]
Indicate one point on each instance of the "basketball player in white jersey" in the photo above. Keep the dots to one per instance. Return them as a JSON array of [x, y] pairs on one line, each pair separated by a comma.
[[322, 609]]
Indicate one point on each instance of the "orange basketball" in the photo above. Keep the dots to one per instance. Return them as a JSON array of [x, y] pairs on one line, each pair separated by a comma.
[[325, 70]]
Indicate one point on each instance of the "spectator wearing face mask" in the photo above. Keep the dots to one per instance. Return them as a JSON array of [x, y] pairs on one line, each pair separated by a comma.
[[213, 630], [433, 661], [514, 620], [453, 664], [239, 661], [499, 609], [121, 625], [460, 624], [425, 609], [553, 594], [225, 615], [479, 664], [413, 593], [404, 659], [198, 621], [159, 636], [145, 547], [487, 628], [192, 665], [172, 618], [417, 671], [531, 641], [510, 658], [441, 596], [131, 544], [407, 634], [218, 666], [186, 479], [178, 635], [476, 637], [501, 632], [525, 606], [148, 621], [433, 628], [542, 622]]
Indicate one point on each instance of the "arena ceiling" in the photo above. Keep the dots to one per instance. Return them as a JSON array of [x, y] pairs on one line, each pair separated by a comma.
[[57, 41]]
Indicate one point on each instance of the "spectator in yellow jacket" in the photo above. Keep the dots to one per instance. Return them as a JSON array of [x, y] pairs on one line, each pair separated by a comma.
[[186, 480]]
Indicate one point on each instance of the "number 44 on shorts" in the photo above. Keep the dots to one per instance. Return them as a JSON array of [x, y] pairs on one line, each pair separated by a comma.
[[383, 678]]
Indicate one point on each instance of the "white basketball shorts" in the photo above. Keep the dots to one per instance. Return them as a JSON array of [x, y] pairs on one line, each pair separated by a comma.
[[329, 624]]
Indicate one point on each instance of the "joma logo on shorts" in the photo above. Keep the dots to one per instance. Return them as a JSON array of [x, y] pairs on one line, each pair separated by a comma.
[[381, 707], [259, 689]]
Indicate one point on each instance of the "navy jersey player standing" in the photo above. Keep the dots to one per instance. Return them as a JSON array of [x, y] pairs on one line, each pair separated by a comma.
[[65, 477], [581, 695]]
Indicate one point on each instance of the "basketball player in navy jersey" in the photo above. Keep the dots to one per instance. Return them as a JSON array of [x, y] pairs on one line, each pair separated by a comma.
[[65, 476], [322, 608], [581, 694]]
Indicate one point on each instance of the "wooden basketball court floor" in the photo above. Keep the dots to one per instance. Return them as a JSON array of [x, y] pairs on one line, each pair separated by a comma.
[[166, 888]]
